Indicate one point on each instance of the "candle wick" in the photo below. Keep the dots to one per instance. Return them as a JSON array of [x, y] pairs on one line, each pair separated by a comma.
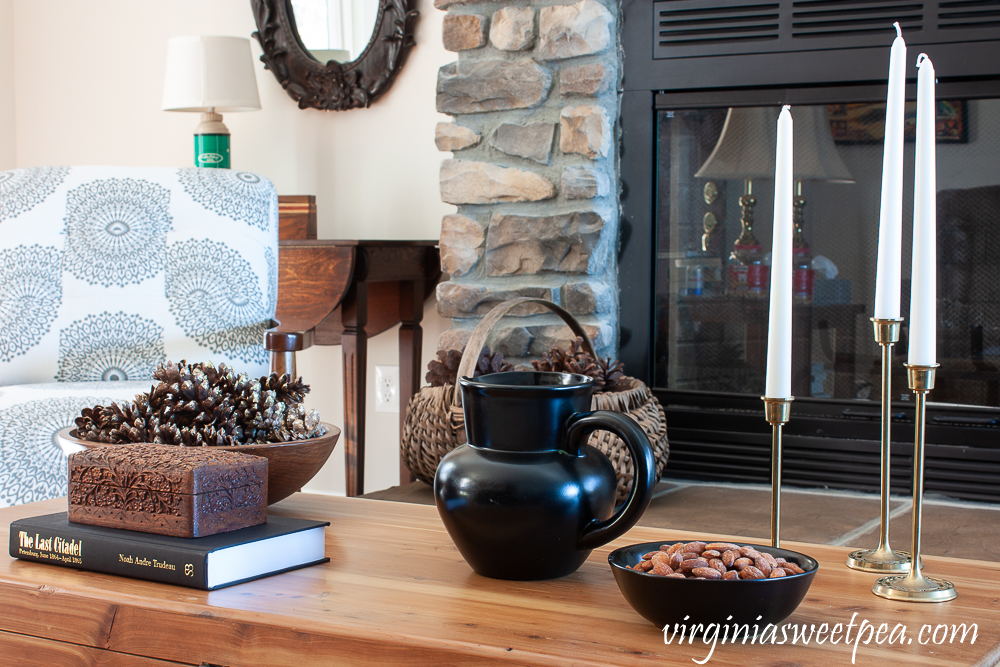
[[921, 58], [786, 107], [899, 32]]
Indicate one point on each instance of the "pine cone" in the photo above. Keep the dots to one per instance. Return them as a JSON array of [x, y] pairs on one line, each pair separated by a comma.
[[299, 425], [286, 389], [613, 376], [443, 370], [557, 360], [608, 375], [201, 405], [490, 363]]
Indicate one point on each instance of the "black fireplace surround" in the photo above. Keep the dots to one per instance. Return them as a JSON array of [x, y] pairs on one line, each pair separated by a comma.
[[691, 54]]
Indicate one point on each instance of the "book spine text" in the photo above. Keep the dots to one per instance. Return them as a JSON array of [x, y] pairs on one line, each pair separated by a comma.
[[100, 553]]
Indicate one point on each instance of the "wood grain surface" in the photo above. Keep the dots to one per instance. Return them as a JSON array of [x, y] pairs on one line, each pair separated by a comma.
[[396, 591], [297, 216], [23, 651], [312, 281]]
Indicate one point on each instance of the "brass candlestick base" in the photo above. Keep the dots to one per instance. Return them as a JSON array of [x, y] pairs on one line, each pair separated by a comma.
[[914, 587], [776, 411], [883, 559]]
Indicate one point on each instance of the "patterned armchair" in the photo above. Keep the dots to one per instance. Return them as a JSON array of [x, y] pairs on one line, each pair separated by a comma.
[[106, 272]]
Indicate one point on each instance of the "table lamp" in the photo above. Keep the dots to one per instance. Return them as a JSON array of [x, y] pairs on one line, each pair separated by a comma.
[[816, 158], [745, 149], [213, 75]]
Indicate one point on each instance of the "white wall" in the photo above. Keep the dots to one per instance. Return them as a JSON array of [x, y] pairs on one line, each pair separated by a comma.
[[8, 159], [86, 89]]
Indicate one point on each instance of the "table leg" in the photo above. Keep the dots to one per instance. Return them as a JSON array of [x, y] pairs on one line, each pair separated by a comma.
[[411, 338], [354, 313]]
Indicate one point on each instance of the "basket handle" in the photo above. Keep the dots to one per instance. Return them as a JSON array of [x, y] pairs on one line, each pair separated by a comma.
[[478, 339]]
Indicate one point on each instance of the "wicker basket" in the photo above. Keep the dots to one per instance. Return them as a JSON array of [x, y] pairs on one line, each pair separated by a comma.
[[435, 423]]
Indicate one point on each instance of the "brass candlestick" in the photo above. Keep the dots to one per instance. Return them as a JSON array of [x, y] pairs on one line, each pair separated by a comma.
[[776, 411], [883, 559], [914, 587], [746, 239]]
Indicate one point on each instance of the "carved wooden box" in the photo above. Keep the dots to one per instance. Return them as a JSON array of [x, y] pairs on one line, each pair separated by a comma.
[[168, 490]]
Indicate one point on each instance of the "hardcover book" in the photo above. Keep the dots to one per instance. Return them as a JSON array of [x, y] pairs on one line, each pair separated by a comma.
[[280, 545]]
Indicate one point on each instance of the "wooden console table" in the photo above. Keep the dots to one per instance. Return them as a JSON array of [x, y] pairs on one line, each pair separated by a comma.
[[341, 292], [396, 591]]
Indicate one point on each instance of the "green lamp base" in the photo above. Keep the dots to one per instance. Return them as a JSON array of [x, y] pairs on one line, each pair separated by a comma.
[[211, 150]]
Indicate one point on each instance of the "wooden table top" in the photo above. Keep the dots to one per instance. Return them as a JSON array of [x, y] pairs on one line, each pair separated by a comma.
[[396, 591]]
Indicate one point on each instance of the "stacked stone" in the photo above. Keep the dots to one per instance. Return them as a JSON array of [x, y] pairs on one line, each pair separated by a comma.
[[534, 98]]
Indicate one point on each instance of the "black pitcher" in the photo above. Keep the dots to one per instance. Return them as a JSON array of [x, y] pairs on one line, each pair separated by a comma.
[[527, 498]]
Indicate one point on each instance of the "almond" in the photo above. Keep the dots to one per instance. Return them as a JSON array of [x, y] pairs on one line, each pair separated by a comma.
[[660, 557], [706, 572], [714, 560], [694, 547], [662, 568], [689, 565]]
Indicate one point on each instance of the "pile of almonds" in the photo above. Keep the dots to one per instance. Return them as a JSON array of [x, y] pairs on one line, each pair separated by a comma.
[[714, 560]]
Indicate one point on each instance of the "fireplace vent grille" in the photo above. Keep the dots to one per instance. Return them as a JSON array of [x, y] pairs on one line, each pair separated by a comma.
[[825, 18], [727, 445], [693, 24], [705, 28], [965, 14]]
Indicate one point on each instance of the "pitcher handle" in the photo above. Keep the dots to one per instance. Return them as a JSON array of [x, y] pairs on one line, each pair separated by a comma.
[[598, 533]]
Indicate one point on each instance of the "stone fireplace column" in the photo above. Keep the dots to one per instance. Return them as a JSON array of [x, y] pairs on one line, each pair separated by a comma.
[[534, 100]]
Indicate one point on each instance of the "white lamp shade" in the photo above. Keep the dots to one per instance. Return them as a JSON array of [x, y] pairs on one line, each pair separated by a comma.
[[206, 73], [746, 146], [816, 155]]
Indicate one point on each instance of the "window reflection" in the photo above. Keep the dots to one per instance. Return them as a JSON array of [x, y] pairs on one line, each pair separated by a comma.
[[335, 29]]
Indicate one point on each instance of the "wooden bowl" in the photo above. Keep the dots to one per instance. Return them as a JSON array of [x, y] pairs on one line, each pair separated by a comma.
[[668, 600], [290, 465]]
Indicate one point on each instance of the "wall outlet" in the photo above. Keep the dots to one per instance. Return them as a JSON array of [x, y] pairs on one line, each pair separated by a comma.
[[387, 389]]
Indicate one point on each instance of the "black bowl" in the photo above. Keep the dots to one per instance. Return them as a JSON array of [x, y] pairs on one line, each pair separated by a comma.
[[669, 600]]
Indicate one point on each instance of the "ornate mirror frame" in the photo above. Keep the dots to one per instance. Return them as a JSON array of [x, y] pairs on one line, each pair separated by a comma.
[[334, 86]]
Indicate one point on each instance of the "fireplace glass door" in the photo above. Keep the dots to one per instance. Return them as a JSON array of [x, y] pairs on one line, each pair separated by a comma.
[[713, 215]]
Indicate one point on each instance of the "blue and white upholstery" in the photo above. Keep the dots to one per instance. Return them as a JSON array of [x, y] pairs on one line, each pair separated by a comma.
[[106, 272]]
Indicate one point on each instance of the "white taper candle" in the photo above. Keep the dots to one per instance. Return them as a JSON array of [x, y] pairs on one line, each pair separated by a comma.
[[890, 219], [778, 383], [923, 277]]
